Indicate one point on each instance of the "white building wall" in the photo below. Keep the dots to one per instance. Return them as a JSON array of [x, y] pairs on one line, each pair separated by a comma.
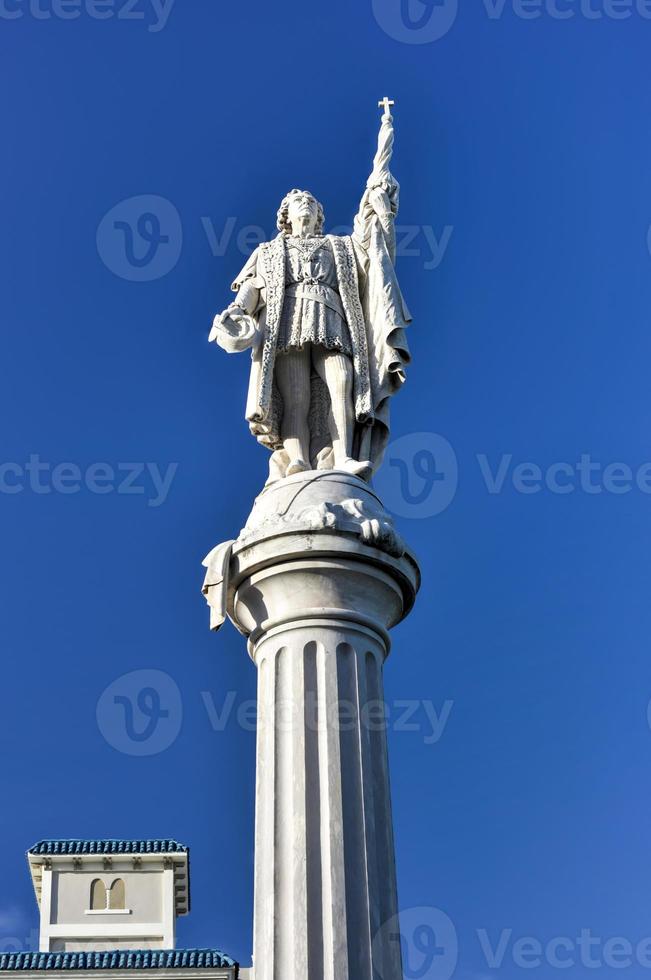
[[147, 921], [143, 896]]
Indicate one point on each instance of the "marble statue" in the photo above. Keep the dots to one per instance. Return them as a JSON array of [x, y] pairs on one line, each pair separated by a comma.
[[324, 318]]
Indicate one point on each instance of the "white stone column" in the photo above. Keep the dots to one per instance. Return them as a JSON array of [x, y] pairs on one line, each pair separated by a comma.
[[316, 607], [325, 876]]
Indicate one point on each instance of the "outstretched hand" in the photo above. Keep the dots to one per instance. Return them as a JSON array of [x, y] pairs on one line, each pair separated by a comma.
[[234, 330]]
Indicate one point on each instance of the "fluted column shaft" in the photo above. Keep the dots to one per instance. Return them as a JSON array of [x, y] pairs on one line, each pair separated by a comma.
[[325, 872]]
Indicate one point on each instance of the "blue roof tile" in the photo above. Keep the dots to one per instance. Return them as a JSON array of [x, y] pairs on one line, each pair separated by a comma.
[[127, 959], [158, 846]]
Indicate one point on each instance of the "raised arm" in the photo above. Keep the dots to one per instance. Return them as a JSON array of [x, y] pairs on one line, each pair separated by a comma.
[[379, 205]]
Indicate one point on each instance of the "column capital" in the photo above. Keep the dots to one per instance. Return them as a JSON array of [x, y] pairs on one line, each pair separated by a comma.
[[318, 547]]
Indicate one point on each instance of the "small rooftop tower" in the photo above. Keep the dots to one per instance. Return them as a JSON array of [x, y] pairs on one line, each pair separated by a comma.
[[109, 894]]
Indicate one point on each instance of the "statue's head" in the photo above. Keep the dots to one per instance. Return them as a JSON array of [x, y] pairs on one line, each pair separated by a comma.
[[300, 208]]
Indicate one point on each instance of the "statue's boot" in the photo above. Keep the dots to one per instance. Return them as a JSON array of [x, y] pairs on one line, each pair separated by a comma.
[[296, 466], [362, 469]]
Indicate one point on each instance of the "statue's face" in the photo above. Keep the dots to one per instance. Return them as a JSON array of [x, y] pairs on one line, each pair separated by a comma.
[[302, 211]]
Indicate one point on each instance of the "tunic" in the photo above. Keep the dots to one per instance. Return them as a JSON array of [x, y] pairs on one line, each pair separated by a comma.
[[312, 309]]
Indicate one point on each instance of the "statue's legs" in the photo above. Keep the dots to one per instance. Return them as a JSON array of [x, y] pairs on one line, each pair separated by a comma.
[[336, 370], [292, 373]]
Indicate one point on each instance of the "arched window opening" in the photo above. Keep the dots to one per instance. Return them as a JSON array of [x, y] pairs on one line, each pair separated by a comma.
[[98, 897], [116, 895]]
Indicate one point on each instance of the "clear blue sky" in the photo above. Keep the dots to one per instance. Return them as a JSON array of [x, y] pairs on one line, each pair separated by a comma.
[[528, 140]]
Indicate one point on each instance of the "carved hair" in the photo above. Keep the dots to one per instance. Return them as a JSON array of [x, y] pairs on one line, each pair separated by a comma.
[[282, 221]]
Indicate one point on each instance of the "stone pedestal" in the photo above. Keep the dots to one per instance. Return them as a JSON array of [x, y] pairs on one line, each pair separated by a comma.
[[315, 581]]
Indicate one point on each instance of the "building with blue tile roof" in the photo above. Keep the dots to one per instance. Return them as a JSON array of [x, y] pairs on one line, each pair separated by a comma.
[[109, 907]]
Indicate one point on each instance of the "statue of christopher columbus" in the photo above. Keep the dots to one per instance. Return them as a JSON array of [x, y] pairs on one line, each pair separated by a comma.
[[325, 321]]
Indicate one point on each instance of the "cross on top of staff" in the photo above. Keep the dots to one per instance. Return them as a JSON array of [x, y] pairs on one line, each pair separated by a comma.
[[386, 104]]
